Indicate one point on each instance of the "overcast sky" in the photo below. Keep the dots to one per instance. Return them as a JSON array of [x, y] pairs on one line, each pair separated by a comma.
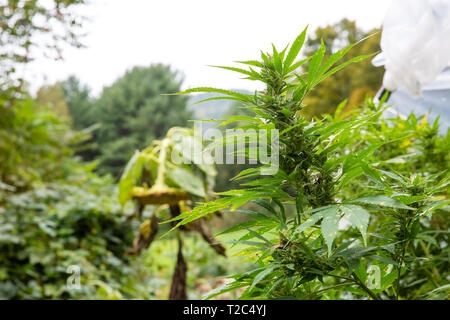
[[189, 35]]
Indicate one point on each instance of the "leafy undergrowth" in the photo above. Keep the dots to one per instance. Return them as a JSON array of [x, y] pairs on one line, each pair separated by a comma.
[[46, 230]]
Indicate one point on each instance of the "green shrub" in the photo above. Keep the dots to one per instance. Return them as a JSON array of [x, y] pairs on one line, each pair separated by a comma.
[[48, 229]]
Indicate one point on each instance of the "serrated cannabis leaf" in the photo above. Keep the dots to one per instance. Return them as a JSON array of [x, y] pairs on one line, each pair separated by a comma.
[[358, 217], [382, 201]]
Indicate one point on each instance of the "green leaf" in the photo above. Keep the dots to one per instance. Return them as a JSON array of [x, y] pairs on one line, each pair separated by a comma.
[[255, 215], [381, 201], [341, 66], [312, 220], [434, 205], [239, 70], [251, 63], [266, 205], [236, 95], [366, 153], [249, 243], [257, 235], [130, 176], [210, 99], [261, 276], [186, 180], [372, 174], [339, 109], [444, 287], [202, 210], [350, 175], [339, 55], [314, 66], [295, 49], [226, 288], [385, 260], [309, 222], [246, 173], [245, 225], [355, 252], [299, 202], [243, 118], [330, 225], [281, 206], [277, 60], [358, 217], [296, 65]]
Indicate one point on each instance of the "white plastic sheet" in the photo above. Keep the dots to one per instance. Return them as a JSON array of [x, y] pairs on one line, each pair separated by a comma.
[[415, 42]]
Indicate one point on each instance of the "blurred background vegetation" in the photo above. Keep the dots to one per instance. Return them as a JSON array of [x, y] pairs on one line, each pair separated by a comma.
[[62, 151]]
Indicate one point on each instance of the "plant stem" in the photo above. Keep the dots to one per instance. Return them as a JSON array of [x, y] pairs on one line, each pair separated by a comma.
[[434, 273], [344, 284], [162, 163], [365, 288], [402, 257]]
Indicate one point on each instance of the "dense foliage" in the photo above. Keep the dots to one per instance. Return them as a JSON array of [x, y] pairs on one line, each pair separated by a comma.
[[54, 212], [33, 145], [46, 230], [338, 177]]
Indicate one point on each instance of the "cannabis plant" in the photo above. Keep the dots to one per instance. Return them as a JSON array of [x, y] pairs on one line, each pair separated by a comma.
[[336, 220]]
